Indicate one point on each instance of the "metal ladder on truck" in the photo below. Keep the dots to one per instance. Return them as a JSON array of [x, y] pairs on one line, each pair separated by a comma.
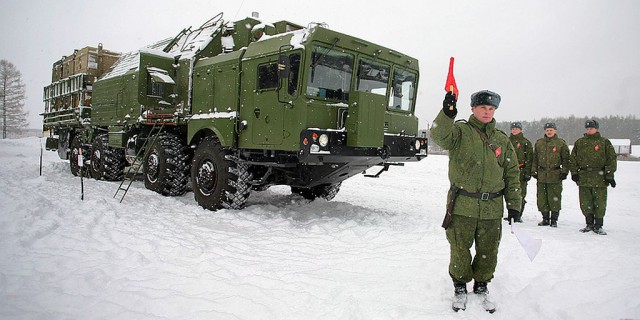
[[134, 169]]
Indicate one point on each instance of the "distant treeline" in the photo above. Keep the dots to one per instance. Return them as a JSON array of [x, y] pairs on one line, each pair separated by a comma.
[[572, 128]]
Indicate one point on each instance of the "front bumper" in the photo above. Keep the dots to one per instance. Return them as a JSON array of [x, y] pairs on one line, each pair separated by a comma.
[[330, 146]]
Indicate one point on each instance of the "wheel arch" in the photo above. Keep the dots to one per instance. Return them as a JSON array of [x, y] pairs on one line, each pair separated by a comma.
[[222, 128]]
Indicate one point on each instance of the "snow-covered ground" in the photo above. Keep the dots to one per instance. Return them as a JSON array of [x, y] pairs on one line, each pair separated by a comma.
[[376, 251]]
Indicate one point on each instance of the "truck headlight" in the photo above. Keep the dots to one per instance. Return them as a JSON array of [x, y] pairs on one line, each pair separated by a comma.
[[417, 144], [323, 140]]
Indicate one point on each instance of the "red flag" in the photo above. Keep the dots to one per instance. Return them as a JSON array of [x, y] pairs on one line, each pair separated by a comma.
[[451, 80]]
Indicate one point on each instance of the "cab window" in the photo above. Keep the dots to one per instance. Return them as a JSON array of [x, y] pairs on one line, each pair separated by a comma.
[[330, 74], [268, 76], [294, 73], [372, 77], [402, 90]]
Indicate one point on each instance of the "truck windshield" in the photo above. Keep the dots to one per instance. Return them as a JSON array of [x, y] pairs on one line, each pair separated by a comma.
[[330, 74], [404, 85], [373, 77]]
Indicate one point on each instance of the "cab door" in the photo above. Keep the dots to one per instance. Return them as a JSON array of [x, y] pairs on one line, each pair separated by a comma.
[[260, 106]]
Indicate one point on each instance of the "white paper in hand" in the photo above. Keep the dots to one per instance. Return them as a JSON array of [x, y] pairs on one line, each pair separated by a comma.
[[530, 245], [80, 160]]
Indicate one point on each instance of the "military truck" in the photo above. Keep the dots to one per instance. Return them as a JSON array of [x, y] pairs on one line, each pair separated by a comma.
[[234, 107]]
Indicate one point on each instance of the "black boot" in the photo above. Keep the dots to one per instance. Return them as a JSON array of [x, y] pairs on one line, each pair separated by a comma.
[[480, 288], [597, 227], [590, 221], [545, 219], [459, 297], [554, 219]]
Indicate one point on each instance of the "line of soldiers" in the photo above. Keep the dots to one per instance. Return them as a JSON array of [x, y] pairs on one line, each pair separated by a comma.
[[592, 164], [484, 178]]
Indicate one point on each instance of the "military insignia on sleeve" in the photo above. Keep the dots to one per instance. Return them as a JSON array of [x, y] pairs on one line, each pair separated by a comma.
[[554, 149], [518, 146], [597, 147], [498, 151]]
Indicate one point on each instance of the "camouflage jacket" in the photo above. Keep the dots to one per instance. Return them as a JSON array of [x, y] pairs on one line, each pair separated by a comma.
[[477, 168], [593, 159], [524, 150], [550, 159]]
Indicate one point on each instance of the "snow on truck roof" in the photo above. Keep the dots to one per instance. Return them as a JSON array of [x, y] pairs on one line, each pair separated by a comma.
[[189, 43]]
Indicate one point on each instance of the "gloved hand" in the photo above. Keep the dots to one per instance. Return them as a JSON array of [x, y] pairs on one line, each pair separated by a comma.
[[449, 105], [575, 178], [514, 215], [611, 182], [563, 176]]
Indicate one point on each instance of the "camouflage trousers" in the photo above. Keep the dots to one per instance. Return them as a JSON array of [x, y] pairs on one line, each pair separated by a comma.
[[593, 201], [461, 234], [549, 196]]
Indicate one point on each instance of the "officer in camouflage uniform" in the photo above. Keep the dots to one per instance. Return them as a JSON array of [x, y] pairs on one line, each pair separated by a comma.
[[593, 164], [550, 166], [482, 170], [524, 150]]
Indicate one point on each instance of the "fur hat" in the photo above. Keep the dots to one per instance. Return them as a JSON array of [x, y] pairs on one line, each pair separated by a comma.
[[550, 125], [516, 124], [485, 98], [591, 124]]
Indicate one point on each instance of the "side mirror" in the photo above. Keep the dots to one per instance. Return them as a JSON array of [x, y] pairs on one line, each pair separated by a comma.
[[284, 66]]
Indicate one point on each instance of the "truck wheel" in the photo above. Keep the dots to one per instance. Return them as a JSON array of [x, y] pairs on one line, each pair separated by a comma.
[[106, 163], [240, 189], [209, 174], [325, 191], [217, 182], [73, 155], [166, 167]]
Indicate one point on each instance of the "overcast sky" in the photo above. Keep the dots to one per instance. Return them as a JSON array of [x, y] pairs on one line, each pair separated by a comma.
[[546, 58]]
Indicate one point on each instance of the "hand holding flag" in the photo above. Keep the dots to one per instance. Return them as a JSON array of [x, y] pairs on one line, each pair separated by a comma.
[[449, 103]]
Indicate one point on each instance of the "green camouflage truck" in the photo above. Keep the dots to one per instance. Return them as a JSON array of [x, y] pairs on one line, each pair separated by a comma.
[[234, 107]]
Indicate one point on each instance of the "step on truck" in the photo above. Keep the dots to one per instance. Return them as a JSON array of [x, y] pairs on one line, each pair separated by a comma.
[[234, 107]]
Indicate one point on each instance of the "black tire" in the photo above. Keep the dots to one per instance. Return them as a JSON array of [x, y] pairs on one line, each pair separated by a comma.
[[325, 191], [76, 144], [217, 182], [166, 167], [240, 188], [106, 163]]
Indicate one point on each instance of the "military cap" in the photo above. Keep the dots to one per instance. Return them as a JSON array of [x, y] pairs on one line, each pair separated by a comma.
[[550, 125], [516, 124], [592, 124], [485, 98]]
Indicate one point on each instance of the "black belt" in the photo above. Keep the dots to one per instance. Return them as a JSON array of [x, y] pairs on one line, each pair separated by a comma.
[[591, 169], [480, 195], [552, 168]]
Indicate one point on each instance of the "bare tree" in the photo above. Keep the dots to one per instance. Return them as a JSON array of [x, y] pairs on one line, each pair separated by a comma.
[[12, 96]]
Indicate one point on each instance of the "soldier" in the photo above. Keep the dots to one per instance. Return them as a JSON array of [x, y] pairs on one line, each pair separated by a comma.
[[593, 164], [481, 173], [524, 150], [550, 167]]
